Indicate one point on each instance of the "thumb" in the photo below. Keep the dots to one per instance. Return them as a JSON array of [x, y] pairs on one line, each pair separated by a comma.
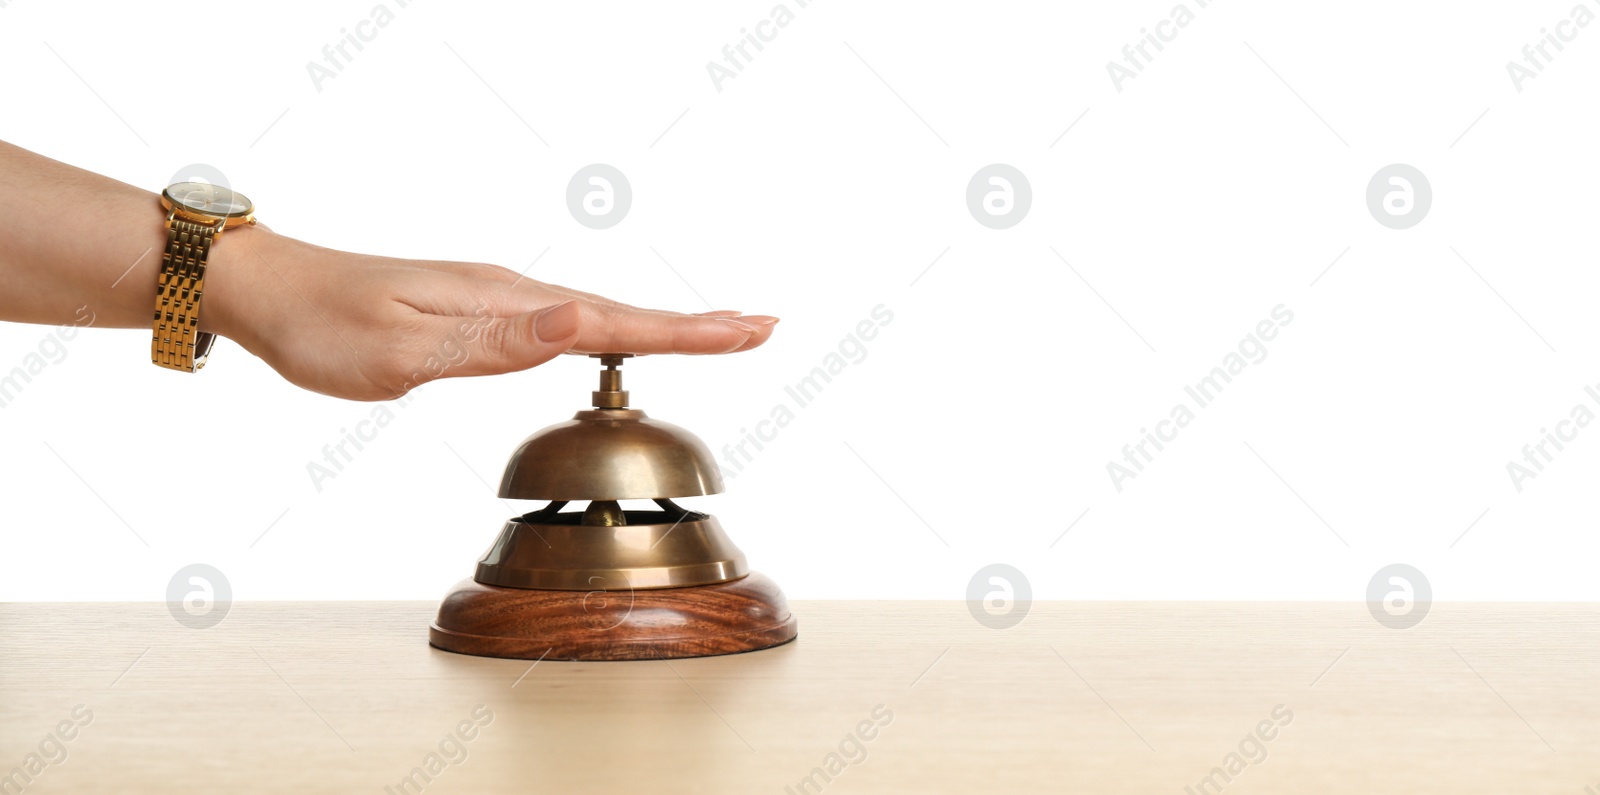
[[510, 344]]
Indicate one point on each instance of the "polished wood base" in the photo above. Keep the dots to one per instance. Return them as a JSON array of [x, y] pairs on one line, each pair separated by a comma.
[[742, 615]]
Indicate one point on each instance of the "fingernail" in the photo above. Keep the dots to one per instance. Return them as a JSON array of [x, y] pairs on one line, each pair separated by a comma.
[[759, 320], [740, 326], [557, 323], [722, 313]]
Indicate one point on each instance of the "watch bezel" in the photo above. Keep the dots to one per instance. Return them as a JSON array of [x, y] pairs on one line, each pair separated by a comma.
[[189, 213]]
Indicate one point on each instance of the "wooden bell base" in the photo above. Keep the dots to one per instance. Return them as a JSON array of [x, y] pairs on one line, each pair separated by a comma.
[[741, 615]]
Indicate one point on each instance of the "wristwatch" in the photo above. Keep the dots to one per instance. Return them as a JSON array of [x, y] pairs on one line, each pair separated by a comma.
[[197, 214]]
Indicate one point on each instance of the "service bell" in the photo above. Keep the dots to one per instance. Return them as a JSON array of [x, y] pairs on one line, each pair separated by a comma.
[[606, 582]]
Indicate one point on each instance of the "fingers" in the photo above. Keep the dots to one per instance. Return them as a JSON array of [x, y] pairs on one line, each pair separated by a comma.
[[614, 327], [494, 345], [765, 324], [605, 326], [622, 329]]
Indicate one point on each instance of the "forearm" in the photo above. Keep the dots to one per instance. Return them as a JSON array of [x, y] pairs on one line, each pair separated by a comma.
[[71, 239]]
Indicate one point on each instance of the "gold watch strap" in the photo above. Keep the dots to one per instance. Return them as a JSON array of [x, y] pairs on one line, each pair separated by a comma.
[[178, 343]]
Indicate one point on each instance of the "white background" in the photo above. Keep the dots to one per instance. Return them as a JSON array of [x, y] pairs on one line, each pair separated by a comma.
[[1218, 184]]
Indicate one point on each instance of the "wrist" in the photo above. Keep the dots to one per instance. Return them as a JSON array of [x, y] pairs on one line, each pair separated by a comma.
[[232, 282]]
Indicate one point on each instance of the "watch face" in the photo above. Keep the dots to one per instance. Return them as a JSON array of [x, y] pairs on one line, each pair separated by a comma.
[[207, 199]]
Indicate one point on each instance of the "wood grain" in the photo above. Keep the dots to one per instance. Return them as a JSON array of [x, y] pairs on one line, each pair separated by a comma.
[[742, 615], [1080, 697]]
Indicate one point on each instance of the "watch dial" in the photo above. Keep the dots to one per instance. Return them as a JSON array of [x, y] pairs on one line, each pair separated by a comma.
[[212, 200]]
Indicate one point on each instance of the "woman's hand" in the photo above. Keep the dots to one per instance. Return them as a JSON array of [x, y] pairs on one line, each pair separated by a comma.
[[373, 328], [346, 325]]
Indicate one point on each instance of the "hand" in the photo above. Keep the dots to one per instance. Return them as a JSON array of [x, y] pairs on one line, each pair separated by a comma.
[[373, 328]]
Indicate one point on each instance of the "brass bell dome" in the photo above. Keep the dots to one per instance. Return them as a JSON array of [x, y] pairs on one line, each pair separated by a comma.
[[611, 454]]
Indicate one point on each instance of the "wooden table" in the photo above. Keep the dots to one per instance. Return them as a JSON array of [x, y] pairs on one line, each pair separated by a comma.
[[1103, 697]]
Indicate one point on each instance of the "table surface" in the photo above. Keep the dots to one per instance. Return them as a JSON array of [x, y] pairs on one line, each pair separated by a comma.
[[880, 697]]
